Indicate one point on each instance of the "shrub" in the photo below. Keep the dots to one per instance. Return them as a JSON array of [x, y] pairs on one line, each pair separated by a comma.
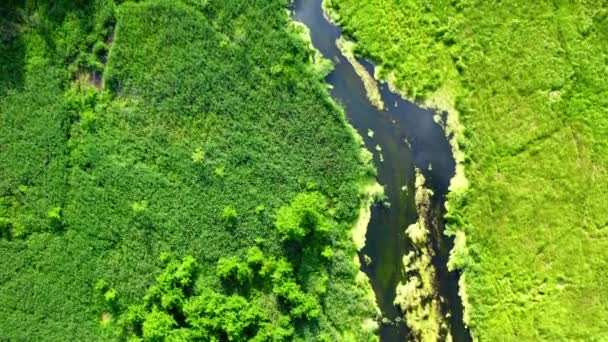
[[327, 253], [255, 256], [233, 268], [305, 214], [229, 216], [204, 314], [260, 209], [140, 206], [110, 296], [157, 325], [198, 155], [54, 216]]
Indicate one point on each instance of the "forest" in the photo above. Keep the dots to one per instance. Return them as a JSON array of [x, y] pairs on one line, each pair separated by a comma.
[[168, 171], [527, 81]]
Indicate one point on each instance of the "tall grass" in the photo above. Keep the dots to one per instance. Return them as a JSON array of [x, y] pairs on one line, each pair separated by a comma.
[[528, 81]]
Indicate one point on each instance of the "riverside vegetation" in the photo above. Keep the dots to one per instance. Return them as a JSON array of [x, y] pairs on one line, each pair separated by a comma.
[[416, 296], [528, 80], [168, 171]]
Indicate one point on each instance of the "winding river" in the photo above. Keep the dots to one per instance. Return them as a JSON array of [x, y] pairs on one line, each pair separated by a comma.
[[408, 137]]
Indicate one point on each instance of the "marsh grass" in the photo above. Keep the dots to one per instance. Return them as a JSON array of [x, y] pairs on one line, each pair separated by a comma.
[[526, 79]]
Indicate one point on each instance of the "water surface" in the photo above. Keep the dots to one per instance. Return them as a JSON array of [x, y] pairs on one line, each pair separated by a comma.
[[408, 137]]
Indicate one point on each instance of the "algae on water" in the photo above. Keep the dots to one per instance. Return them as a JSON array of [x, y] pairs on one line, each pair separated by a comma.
[[417, 296], [370, 84]]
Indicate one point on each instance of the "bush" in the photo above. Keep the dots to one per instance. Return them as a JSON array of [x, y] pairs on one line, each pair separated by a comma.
[[204, 314], [233, 268], [305, 214], [229, 216]]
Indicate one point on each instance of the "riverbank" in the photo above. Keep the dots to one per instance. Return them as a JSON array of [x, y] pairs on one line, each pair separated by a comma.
[[534, 153], [370, 191], [418, 134], [427, 319], [371, 88]]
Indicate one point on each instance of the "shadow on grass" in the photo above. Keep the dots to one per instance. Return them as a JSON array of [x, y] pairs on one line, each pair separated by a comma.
[[12, 48]]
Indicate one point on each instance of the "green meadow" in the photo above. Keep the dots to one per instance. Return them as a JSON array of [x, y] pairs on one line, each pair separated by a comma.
[[168, 171], [528, 81]]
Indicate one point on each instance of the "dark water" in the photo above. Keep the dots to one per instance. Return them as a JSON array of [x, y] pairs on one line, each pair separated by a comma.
[[401, 121]]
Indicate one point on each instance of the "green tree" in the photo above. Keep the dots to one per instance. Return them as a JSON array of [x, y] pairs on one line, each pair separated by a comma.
[[305, 214], [285, 287], [54, 216], [157, 325], [229, 216], [175, 310], [233, 268], [255, 256]]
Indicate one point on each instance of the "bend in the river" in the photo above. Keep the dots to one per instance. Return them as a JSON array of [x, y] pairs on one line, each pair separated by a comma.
[[408, 137]]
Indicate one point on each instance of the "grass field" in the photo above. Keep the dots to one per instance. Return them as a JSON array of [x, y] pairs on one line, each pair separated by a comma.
[[133, 129], [528, 80]]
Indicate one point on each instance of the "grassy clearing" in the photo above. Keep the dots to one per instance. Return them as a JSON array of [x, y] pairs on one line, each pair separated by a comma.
[[210, 118], [528, 79]]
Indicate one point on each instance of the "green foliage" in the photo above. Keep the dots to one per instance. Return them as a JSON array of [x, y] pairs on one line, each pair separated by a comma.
[[255, 256], [233, 268], [528, 79], [87, 120], [302, 305], [54, 216], [305, 214], [285, 287], [219, 171], [157, 325], [279, 272], [198, 155], [101, 285], [110, 295], [215, 314], [201, 314], [99, 150], [139, 206], [409, 39], [260, 208], [327, 253], [229, 216]]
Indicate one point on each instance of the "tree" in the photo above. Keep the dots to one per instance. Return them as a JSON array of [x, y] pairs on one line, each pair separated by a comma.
[[233, 268], [173, 309], [255, 256], [305, 214], [157, 325], [285, 287], [229, 216], [54, 216]]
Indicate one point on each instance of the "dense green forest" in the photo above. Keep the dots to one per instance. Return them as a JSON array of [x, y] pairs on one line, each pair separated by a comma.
[[168, 171], [528, 80]]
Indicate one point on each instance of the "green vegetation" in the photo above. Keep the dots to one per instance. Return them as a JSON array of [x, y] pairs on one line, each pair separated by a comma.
[[178, 308], [304, 215], [199, 128], [417, 294], [371, 87], [528, 81]]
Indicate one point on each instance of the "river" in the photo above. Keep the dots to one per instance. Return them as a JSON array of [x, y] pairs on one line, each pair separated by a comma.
[[408, 137]]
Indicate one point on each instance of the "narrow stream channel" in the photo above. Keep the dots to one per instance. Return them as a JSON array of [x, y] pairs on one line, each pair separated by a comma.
[[401, 122]]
